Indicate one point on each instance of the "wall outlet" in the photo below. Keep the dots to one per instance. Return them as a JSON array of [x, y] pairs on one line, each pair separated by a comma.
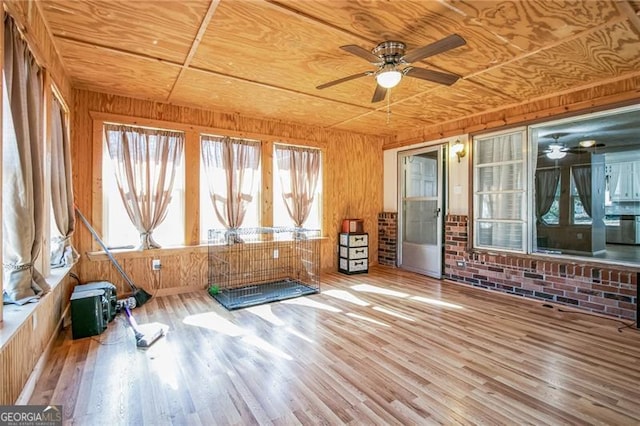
[[460, 263], [579, 235], [155, 264], [276, 253]]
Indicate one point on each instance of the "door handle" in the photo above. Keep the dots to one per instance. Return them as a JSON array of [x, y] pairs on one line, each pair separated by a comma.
[[436, 212]]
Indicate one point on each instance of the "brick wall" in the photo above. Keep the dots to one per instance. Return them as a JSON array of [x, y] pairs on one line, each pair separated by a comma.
[[603, 289], [387, 238]]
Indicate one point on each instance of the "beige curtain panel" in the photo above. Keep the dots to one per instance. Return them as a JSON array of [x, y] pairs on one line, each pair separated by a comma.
[[145, 163], [231, 166], [298, 169], [62, 252], [22, 171]]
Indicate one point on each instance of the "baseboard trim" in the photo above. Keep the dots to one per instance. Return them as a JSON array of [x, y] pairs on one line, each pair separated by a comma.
[[178, 290], [30, 385]]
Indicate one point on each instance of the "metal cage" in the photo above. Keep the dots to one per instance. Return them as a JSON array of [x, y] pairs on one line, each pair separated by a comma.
[[251, 266]]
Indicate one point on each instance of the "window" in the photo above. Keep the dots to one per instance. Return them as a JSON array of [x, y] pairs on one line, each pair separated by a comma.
[[559, 188], [244, 179], [118, 228], [309, 185], [500, 191]]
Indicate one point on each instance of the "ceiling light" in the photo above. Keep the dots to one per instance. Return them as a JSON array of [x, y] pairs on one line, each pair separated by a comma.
[[588, 143], [555, 152], [389, 78]]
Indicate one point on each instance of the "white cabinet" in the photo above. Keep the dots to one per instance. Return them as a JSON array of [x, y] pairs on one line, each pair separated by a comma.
[[627, 174]]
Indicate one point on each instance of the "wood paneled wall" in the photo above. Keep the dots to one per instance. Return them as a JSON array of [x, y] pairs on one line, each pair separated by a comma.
[[619, 92], [20, 354], [352, 182], [29, 19]]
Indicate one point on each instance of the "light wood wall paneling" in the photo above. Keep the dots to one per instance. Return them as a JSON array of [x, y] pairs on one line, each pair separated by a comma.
[[192, 189], [266, 197], [618, 92], [352, 176], [21, 353], [28, 16]]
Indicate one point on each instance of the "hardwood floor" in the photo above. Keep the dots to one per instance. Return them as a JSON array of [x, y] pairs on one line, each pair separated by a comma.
[[388, 347]]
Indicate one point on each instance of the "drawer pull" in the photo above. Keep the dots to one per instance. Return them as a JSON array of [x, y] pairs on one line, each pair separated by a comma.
[[359, 251]]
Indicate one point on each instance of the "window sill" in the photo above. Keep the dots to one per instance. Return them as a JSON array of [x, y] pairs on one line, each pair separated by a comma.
[[14, 316], [165, 251]]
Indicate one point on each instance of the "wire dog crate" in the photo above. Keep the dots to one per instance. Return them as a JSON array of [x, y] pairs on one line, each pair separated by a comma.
[[252, 266]]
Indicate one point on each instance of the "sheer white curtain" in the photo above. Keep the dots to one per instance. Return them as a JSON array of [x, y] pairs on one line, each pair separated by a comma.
[[500, 187], [231, 166], [145, 163], [62, 252], [22, 170], [298, 169]]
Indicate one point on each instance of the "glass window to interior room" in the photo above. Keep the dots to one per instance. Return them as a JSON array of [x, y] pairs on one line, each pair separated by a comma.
[[597, 158], [247, 175], [117, 227], [500, 186], [306, 180]]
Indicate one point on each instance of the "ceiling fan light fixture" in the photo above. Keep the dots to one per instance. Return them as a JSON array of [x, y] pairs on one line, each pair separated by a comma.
[[555, 152], [389, 78], [587, 143]]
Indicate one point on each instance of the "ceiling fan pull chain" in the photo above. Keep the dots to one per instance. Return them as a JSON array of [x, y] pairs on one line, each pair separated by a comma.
[[389, 107]]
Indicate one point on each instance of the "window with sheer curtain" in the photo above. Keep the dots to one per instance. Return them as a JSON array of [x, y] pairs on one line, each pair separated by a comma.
[[229, 183], [118, 226], [297, 187], [500, 185]]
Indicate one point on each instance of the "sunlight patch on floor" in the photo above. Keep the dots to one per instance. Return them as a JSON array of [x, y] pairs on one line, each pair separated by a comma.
[[265, 312], [362, 317], [164, 364], [346, 296], [298, 334], [378, 290], [303, 301], [215, 322], [436, 302], [393, 313]]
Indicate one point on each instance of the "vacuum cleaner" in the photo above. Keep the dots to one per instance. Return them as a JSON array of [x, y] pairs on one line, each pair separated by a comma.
[[146, 334], [139, 294]]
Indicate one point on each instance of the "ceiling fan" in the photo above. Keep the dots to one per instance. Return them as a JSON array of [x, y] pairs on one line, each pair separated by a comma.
[[556, 150], [393, 63]]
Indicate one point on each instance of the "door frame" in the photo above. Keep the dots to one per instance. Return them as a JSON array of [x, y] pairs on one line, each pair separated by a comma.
[[443, 181]]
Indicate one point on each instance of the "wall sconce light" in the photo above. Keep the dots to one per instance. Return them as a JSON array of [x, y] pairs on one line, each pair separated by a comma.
[[458, 149]]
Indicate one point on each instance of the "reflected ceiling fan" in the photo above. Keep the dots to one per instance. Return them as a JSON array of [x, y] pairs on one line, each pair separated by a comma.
[[557, 150], [393, 63]]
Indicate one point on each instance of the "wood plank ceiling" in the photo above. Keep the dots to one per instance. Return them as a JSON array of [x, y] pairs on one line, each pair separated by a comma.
[[265, 58]]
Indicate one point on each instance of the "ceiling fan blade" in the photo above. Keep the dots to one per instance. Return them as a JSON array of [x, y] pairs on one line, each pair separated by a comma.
[[447, 43], [363, 53], [379, 94], [343, 79], [435, 76]]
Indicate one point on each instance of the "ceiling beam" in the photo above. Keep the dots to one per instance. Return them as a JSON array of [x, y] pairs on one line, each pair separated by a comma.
[[196, 43]]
